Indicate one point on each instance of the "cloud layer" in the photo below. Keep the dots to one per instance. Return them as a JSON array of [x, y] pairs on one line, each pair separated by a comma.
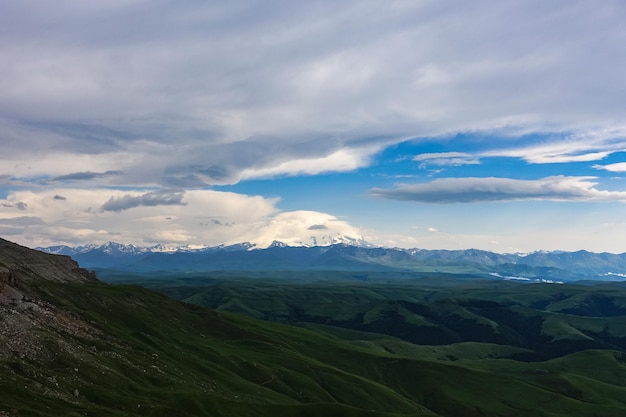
[[185, 94], [471, 190]]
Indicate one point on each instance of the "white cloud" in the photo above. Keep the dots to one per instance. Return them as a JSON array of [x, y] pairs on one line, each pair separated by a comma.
[[446, 159], [616, 167], [468, 190], [554, 155], [583, 146], [79, 218], [342, 160], [302, 226], [200, 217], [440, 155]]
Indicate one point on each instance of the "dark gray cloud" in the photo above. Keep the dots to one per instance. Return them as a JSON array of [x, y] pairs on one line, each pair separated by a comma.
[[86, 138], [218, 222], [59, 197], [11, 231], [22, 221], [20, 205], [470, 190], [86, 175], [318, 227], [154, 198]]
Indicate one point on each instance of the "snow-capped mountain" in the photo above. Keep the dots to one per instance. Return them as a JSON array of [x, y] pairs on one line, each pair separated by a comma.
[[339, 253], [323, 240], [110, 248], [118, 249]]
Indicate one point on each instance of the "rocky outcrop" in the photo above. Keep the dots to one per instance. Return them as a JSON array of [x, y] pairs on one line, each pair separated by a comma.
[[25, 315], [21, 264], [6, 277]]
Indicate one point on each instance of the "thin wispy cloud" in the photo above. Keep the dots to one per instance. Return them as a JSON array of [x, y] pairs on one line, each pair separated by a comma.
[[472, 190], [558, 147], [617, 167], [340, 161], [443, 159]]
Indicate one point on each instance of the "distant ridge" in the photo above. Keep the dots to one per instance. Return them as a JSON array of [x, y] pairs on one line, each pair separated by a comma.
[[115, 248], [351, 255]]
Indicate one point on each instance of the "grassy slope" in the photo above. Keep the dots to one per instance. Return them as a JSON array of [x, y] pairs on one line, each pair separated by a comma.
[[551, 320], [155, 356]]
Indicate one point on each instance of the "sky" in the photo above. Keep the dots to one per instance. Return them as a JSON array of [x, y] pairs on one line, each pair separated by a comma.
[[435, 124]]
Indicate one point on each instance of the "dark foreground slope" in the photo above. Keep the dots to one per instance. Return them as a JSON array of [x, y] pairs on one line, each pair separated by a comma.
[[77, 347]]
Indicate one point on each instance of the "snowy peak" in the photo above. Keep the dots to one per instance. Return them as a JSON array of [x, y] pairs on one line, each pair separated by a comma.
[[163, 248], [59, 250], [277, 244], [115, 249], [324, 240]]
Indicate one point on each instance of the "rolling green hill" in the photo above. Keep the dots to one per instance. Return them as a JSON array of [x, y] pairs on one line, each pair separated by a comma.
[[74, 346], [546, 321]]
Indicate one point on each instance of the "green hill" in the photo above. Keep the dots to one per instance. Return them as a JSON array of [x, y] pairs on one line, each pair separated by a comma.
[[78, 347]]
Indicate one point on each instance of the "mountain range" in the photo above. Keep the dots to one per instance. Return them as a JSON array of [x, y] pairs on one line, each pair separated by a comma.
[[358, 256]]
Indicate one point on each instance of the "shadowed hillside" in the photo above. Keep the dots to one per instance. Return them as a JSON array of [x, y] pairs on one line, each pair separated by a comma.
[[74, 346], [546, 321]]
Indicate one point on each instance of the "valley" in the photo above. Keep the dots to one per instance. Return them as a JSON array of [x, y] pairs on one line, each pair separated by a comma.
[[304, 344]]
